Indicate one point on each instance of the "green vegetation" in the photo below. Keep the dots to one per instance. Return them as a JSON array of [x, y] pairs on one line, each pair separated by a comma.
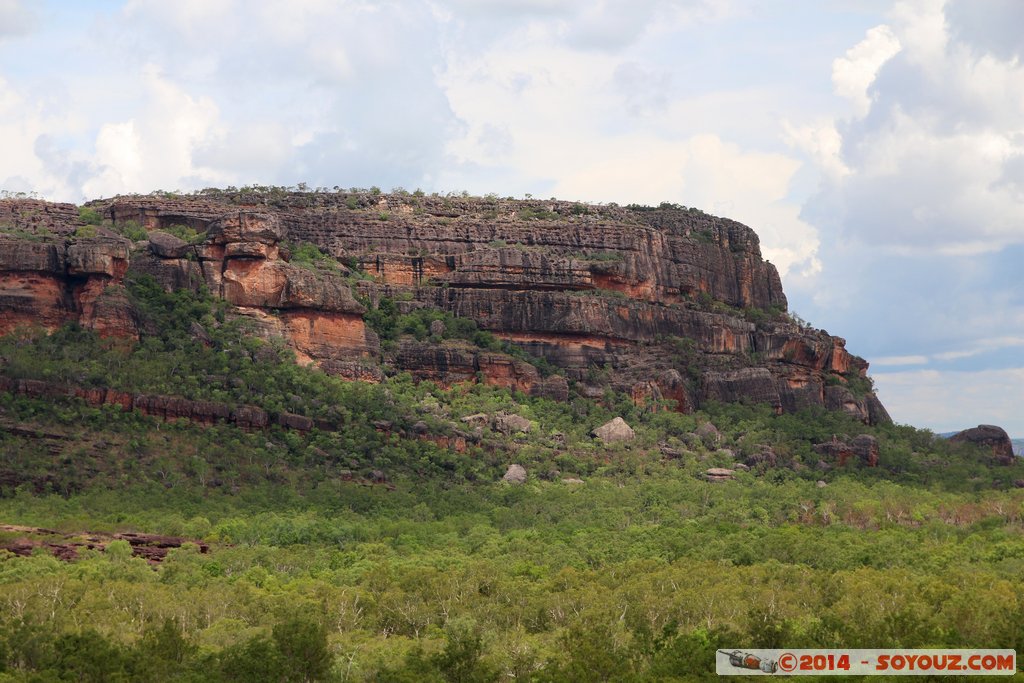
[[310, 256], [390, 324], [130, 229], [444, 573], [37, 234], [90, 216], [859, 386], [184, 232], [530, 213]]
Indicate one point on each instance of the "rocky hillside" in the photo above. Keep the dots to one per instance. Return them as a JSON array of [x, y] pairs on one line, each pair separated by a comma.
[[665, 303]]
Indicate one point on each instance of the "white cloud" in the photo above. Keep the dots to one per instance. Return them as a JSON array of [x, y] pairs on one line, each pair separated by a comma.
[[551, 106], [920, 209], [16, 18], [154, 149], [948, 401], [931, 145], [854, 73]]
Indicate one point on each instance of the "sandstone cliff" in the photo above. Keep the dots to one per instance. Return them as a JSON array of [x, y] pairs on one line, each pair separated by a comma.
[[666, 303]]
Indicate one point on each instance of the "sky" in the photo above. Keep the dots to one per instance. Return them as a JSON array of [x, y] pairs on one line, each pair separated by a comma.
[[876, 146]]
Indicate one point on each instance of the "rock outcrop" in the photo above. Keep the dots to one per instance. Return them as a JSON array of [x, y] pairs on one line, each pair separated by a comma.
[[614, 431], [989, 436], [150, 547], [714, 474], [670, 305], [862, 448], [516, 474], [51, 282]]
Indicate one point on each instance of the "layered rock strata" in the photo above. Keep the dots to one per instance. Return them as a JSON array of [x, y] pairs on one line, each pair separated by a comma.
[[669, 304]]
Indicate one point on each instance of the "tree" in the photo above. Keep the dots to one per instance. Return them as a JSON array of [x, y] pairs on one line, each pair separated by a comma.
[[302, 645]]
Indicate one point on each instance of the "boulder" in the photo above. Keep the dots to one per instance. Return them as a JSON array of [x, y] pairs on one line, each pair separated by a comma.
[[166, 245], [510, 423], [990, 436], [516, 474], [614, 431], [865, 447], [709, 434], [718, 474], [766, 457]]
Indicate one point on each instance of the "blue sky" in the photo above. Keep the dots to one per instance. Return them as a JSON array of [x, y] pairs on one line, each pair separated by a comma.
[[876, 146]]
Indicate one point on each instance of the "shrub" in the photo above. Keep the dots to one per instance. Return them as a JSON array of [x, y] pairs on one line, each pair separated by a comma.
[[90, 216]]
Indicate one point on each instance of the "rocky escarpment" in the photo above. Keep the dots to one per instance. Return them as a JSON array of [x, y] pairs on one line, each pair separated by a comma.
[[667, 304], [54, 281]]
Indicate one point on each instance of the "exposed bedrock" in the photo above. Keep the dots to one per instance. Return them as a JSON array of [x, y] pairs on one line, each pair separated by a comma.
[[669, 305], [56, 281]]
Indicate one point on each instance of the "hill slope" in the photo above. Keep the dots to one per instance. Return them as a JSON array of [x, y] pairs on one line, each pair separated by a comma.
[[228, 455]]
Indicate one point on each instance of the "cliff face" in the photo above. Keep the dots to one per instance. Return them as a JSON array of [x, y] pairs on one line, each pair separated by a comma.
[[49, 283], [667, 304]]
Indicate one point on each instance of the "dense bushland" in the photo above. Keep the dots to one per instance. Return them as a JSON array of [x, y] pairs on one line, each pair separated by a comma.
[[445, 573]]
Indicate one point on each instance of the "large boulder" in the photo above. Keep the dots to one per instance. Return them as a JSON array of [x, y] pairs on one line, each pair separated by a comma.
[[989, 436], [719, 474], [510, 423], [516, 474], [865, 447], [709, 434], [166, 245], [614, 431]]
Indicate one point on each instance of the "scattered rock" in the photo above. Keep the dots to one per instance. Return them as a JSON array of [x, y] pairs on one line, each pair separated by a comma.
[[741, 467], [669, 451], [199, 333], [726, 453], [477, 419], [821, 484], [516, 474], [572, 481], [766, 457], [378, 477], [614, 431], [420, 427], [168, 246], [719, 474], [709, 434], [510, 423], [990, 436], [865, 447], [437, 328], [297, 422]]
